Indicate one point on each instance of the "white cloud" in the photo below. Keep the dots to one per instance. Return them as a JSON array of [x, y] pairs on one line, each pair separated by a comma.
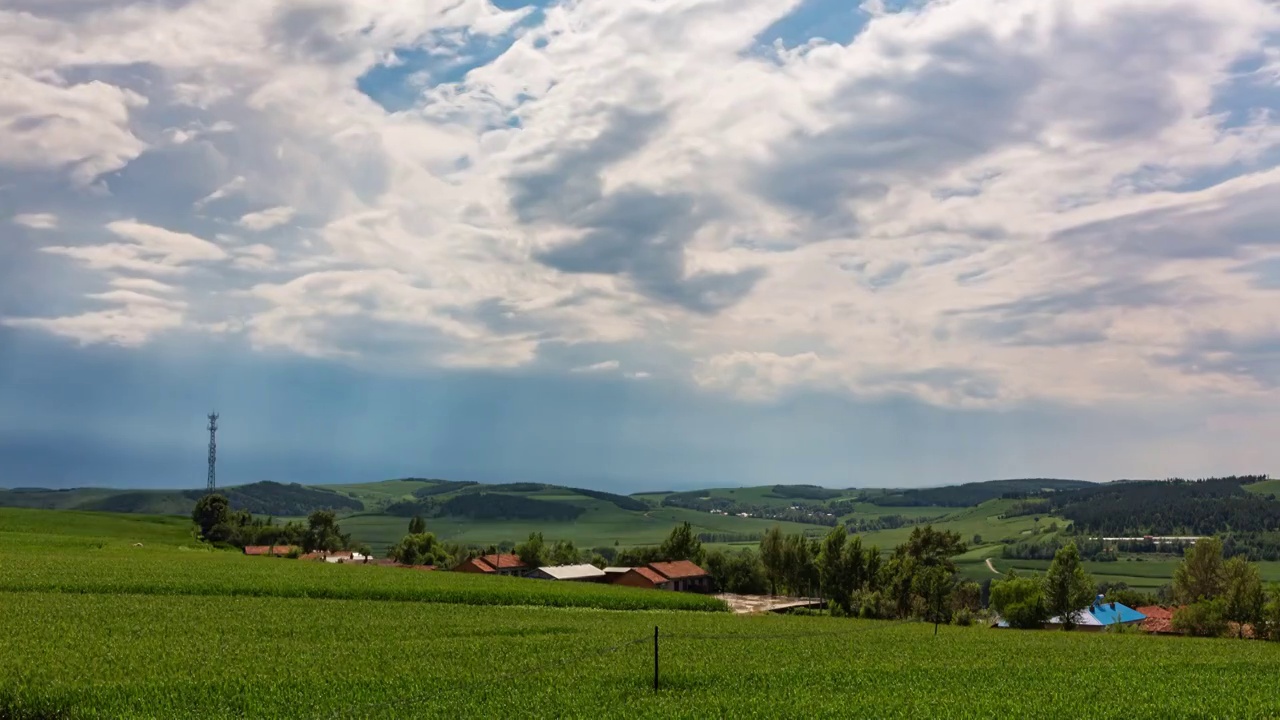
[[267, 219], [974, 202], [605, 366], [81, 128], [37, 221]]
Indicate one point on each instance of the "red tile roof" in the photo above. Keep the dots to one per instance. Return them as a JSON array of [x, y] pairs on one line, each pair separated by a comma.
[[503, 561], [649, 575], [678, 570], [1159, 619], [269, 549]]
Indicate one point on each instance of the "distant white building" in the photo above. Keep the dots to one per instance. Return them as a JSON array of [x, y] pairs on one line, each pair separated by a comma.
[[579, 573]]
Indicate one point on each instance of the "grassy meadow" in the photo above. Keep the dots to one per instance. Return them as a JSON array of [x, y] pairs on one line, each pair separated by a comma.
[[126, 617], [123, 656]]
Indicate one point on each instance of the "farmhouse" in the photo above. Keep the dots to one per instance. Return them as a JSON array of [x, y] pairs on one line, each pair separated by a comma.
[[500, 564], [275, 550], [577, 573], [643, 577], [681, 576], [1101, 615]]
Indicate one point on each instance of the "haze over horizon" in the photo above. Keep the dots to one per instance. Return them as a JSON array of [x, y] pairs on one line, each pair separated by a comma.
[[638, 245]]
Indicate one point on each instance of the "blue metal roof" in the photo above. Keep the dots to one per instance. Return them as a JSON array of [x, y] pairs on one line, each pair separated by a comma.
[[1113, 612]]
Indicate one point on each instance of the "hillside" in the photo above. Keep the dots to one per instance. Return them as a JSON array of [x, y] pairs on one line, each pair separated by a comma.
[[976, 493], [260, 498]]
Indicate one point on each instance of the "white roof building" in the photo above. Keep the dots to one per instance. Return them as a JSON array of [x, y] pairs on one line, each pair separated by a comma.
[[568, 572]]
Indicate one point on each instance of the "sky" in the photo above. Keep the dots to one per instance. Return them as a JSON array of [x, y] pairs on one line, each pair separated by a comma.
[[638, 244]]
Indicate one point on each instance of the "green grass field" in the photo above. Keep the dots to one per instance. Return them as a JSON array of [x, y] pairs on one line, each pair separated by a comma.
[[604, 524], [97, 627], [1148, 573], [1266, 487], [46, 551], [122, 656]]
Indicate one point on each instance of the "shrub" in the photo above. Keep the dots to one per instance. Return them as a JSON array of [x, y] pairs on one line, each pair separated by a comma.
[[962, 617], [1206, 618]]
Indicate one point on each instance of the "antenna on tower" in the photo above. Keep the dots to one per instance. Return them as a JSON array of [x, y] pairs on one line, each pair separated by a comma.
[[213, 453]]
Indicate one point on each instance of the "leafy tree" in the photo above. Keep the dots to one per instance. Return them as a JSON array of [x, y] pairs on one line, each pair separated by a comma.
[[682, 544], [800, 572], [635, 557], [1020, 601], [564, 552], [533, 552], [1068, 588], [420, 549], [1207, 618], [967, 596], [323, 533], [855, 565], [833, 568], [1268, 625], [737, 572], [934, 585], [977, 540], [1242, 593], [1201, 575], [210, 511], [417, 525], [773, 555], [930, 547]]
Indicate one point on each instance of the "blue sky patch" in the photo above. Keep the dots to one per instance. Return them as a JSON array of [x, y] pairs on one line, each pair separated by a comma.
[[447, 57]]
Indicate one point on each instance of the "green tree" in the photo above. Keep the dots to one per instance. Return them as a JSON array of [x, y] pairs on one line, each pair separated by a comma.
[[210, 511], [420, 549], [323, 533], [773, 555], [682, 544], [1201, 575], [967, 596], [833, 568], [1242, 593], [417, 525], [564, 552], [1206, 618], [1020, 601], [737, 572], [929, 547], [1068, 589], [934, 585], [533, 552], [1268, 626], [855, 565], [799, 570]]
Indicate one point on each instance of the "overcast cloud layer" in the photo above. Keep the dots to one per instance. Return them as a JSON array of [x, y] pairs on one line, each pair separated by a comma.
[[985, 205]]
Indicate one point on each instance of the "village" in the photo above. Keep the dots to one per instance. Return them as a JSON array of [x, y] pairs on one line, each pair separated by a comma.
[[687, 576]]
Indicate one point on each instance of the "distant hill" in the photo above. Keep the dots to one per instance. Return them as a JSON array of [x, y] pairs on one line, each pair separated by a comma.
[[260, 498], [974, 493]]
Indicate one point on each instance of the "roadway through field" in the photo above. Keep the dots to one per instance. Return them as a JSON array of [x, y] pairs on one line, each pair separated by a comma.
[[991, 567]]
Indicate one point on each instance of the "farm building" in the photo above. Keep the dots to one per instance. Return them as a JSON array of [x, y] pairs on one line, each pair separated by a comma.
[[681, 576], [337, 556], [500, 564], [642, 577], [1101, 615], [1159, 620], [615, 572], [270, 550], [578, 573]]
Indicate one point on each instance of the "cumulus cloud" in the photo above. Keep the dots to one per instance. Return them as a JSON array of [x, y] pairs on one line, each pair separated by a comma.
[[267, 219], [972, 203], [37, 221]]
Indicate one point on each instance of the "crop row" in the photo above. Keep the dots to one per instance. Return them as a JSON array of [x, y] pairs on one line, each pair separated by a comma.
[[148, 571], [125, 656]]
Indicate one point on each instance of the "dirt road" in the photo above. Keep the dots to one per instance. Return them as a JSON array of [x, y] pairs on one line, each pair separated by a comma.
[[992, 568]]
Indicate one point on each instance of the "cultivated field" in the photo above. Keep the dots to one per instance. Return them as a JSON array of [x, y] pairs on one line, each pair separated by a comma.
[[114, 656]]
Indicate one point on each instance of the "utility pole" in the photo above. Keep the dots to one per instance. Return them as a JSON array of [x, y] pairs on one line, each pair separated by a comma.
[[212, 485]]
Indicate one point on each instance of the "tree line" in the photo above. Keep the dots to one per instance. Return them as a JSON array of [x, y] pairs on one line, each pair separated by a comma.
[[219, 525]]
